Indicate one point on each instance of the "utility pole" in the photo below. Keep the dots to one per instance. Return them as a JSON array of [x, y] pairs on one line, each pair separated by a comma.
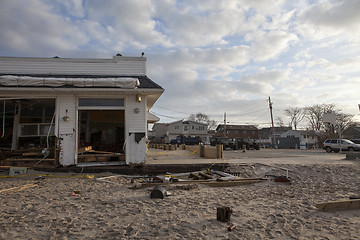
[[272, 124], [224, 124]]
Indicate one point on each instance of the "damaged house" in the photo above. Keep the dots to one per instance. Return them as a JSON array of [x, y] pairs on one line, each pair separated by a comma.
[[75, 111]]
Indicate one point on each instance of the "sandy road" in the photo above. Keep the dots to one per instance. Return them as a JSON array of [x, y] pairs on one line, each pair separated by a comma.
[[266, 156]]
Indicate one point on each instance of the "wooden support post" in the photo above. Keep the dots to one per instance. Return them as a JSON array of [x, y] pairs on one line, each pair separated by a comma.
[[224, 214], [202, 150], [219, 151], [16, 128]]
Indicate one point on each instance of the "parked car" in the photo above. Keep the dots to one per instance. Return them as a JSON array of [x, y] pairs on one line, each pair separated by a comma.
[[335, 144], [357, 141], [234, 144], [186, 140]]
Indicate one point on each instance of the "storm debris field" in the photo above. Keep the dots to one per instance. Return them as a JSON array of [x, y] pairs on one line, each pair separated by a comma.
[[80, 206]]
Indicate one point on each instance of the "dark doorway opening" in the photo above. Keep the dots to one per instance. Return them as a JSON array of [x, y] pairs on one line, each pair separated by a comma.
[[101, 135]]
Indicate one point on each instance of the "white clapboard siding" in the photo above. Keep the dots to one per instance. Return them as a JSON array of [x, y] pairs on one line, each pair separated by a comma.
[[136, 123], [135, 120], [69, 66], [67, 129], [136, 153]]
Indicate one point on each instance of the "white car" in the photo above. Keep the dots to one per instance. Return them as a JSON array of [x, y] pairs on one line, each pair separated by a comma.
[[334, 145]]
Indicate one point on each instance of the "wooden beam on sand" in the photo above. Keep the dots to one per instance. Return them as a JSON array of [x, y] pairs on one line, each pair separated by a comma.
[[19, 188], [230, 183], [339, 205]]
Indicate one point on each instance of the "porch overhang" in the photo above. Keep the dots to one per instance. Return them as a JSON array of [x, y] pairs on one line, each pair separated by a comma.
[[151, 118]]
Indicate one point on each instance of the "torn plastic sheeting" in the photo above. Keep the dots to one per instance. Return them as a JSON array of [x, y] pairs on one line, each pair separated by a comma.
[[119, 82]]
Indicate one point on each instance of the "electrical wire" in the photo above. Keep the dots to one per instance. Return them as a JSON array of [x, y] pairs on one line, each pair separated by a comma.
[[172, 110], [162, 115]]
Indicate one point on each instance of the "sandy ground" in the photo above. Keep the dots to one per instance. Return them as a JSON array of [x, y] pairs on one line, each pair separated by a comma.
[[110, 210], [266, 156]]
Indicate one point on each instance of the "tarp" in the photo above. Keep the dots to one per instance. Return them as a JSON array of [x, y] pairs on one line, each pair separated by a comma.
[[28, 81]]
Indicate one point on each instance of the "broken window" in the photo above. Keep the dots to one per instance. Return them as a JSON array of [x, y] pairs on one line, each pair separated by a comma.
[[28, 128]]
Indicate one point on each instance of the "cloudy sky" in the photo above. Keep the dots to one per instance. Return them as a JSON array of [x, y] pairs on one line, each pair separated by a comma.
[[211, 56]]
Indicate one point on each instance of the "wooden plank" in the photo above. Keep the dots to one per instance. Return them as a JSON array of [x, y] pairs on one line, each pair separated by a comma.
[[205, 176], [31, 154], [210, 182], [19, 188], [5, 167], [339, 205], [84, 149], [98, 155], [29, 159], [230, 183]]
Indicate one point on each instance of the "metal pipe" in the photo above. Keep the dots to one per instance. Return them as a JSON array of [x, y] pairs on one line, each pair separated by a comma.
[[3, 129]]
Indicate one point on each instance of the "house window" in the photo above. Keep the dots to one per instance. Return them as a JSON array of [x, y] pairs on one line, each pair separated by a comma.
[[108, 102], [245, 131], [193, 127], [237, 131], [176, 126], [185, 128]]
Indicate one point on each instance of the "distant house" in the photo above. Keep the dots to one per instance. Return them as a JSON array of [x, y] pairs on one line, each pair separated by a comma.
[[64, 106], [352, 132], [165, 132], [237, 131], [298, 139], [159, 132], [266, 135]]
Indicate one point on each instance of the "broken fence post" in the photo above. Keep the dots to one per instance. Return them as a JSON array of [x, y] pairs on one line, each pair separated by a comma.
[[219, 151], [224, 214], [202, 150]]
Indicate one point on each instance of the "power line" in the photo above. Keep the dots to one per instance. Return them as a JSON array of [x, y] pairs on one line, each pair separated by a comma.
[[162, 115], [172, 110]]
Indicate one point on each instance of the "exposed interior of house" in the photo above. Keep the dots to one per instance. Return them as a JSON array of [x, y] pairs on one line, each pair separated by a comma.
[[101, 135], [28, 130], [27, 133]]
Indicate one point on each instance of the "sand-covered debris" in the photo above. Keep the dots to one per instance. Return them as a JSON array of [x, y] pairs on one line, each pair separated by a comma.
[[104, 210]]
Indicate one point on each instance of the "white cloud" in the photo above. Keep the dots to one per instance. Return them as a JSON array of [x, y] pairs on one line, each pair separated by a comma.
[[35, 30], [73, 7], [270, 45], [328, 18], [207, 54]]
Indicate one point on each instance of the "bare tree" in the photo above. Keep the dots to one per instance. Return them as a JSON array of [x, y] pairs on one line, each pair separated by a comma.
[[202, 118], [211, 124], [199, 117], [296, 115], [343, 121], [279, 122], [314, 115]]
